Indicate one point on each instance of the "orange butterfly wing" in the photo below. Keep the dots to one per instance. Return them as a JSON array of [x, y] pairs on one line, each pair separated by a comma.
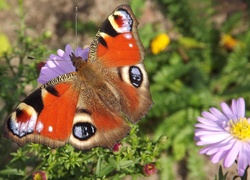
[[87, 108], [117, 43], [44, 116]]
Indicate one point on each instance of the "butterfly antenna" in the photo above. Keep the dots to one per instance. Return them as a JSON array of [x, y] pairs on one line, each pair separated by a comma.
[[36, 59], [76, 16]]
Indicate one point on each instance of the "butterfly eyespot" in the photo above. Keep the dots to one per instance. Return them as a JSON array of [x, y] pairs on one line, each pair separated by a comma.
[[22, 121], [135, 76], [83, 131]]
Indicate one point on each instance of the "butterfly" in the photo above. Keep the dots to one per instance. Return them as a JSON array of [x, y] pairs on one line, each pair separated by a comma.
[[94, 105]]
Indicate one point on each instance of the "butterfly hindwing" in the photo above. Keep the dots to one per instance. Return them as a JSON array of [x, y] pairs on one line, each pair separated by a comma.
[[134, 91], [95, 125]]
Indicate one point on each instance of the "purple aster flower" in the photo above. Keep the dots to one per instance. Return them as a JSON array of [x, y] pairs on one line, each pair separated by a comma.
[[59, 64], [225, 135]]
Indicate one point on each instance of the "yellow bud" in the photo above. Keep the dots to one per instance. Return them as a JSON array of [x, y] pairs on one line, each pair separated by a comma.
[[159, 43], [228, 42]]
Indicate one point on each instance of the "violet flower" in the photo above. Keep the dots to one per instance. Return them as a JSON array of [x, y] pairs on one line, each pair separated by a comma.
[[59, 64], [225, 135]]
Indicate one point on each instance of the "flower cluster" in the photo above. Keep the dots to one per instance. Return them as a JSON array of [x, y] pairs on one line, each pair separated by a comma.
[[225, 135]]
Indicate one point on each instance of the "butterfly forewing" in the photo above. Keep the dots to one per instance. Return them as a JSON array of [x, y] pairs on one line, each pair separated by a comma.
[[44, 116], [117, 43]]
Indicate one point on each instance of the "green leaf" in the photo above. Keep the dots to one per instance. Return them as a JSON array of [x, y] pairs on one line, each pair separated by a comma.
[[13, 171]]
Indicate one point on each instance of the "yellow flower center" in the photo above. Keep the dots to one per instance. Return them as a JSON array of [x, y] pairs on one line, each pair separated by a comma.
[[240, 129]]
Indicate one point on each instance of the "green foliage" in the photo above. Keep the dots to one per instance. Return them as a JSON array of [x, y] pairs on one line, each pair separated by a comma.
[[137, 6], [221, 176], [16, 66], [195, 72], [68, 163]]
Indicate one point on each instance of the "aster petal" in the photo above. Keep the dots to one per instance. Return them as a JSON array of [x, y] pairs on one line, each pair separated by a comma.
[[204, 150], [68, 50], [217, 144], [234, 107], [47, 72], [215, 158], [220, 146], [196, 138], [209, 116], [206, 121], [202, 132], [243, 159], [227, 111], [61, 65], [60, 53], [241, 108], [209, 150], [83, 53], [232, 154], [215, 137], [211, 127], [238, 107], [218, 114]]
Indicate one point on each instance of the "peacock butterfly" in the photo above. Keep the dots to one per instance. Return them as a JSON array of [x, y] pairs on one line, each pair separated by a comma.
[[89, 107]]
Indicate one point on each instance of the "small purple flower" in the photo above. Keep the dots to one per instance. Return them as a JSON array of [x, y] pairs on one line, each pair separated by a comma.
[[225, 135], [59, 64]]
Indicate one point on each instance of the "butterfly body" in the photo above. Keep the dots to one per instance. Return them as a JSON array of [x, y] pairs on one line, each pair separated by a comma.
[[89, 107]]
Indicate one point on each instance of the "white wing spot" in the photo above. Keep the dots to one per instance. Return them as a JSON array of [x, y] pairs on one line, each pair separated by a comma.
[[50, 129], [39, 126], [127, 36]]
